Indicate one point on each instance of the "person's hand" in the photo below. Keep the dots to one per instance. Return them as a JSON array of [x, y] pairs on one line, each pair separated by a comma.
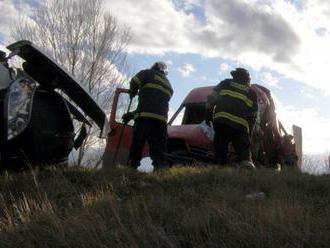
[[127, 117]]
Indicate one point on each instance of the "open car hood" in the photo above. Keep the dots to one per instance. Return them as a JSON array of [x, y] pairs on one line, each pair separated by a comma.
[[51, 75]]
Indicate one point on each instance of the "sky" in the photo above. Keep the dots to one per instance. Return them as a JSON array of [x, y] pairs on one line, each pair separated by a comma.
[[285, 44]]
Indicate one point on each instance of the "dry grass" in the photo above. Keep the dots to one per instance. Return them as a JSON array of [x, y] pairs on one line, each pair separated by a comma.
[[177, 207]]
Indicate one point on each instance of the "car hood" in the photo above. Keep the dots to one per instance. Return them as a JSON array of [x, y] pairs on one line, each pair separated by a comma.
[[51, 75]]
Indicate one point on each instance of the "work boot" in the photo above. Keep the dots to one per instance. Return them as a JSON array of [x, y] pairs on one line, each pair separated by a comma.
[[247, 164]]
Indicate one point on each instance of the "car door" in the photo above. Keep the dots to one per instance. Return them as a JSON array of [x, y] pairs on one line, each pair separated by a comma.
[[120, 135]]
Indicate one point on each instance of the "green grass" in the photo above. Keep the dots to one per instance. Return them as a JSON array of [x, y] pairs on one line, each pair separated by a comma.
[[176, 207]]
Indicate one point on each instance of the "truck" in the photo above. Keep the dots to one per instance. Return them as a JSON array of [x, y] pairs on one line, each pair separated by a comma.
[[190, 140]]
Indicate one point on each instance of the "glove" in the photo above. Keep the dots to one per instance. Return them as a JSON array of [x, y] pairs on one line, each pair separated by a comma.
[[127, 117]]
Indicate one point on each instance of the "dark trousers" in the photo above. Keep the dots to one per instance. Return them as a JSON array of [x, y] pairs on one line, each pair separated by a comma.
[[155, 133], [240, 141]]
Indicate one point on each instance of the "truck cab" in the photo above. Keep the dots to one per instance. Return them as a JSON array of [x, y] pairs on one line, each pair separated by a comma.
[[190, 139]]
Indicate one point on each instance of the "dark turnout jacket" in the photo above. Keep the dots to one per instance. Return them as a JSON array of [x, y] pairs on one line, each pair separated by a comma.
[[155, 91], [235, 105]]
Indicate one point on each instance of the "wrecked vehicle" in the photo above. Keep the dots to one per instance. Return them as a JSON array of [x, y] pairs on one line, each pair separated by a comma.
[[38, 104], [191, 140]]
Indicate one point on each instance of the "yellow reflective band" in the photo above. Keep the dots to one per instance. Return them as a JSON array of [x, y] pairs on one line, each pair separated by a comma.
[[158, 87], [233, 118], [152, 115], [137, 80], [240, 86], [163, 80], [237, 95]]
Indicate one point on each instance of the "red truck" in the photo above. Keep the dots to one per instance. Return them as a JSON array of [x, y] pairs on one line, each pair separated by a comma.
[[190, 140]]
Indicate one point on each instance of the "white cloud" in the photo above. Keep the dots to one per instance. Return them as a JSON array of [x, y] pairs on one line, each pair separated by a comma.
[[272, 35], [186, 70], [224, 67], [270, 80], [315, 126], [307, 92], [277, 35], [9, 16], [169, 62]]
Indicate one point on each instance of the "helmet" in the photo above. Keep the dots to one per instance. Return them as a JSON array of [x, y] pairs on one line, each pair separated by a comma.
[[160, 66], [241, 75]]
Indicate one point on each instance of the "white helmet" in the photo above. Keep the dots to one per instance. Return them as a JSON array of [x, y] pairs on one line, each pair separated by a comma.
[[160, 66]]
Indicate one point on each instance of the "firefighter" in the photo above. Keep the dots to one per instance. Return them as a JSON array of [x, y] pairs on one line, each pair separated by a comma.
[[154, 91], [233, 108]]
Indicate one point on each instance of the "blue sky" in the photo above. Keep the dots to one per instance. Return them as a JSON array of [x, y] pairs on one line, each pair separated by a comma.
[[285, 44]]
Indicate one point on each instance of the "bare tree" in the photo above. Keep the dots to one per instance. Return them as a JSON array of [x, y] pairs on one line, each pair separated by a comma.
[[86, 41]]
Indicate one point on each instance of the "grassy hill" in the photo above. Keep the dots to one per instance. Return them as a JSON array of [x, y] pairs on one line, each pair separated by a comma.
[[176, 207]]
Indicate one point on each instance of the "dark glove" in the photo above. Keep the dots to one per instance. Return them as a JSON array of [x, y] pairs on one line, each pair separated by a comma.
[[127, 117]]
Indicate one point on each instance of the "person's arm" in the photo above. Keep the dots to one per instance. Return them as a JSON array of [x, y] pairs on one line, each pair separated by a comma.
[[209, 106], [253, 110], [136, 83], [212, 100], [129, 116]]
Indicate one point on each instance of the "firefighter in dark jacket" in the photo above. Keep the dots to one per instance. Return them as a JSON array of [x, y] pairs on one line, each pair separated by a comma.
[[233, 107], [154, 91]]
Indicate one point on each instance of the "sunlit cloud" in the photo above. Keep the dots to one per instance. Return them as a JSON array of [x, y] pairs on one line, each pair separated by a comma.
[[186, 70], [270, 80]]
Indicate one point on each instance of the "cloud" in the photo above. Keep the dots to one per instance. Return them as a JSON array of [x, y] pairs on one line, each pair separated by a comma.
[[224, 67], [169, 62], [270, 80], [289, 37], [186, 70], [244, 27], [315, 126], [249, 27], [284, 36], [307, 92], [10, 14]]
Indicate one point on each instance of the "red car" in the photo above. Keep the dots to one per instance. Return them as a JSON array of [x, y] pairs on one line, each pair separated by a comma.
[[189, 139]]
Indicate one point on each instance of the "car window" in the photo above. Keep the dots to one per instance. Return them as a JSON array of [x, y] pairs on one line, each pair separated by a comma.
[[194, 113], [178, 116]]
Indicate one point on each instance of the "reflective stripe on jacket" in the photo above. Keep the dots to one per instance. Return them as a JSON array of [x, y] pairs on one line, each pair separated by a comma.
[[236, 105], [154, 91]]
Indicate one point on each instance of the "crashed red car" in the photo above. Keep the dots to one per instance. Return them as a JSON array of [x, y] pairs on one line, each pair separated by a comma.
[[190, 139]]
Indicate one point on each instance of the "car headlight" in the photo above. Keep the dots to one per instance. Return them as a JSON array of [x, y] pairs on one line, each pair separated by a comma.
[[20, 98]]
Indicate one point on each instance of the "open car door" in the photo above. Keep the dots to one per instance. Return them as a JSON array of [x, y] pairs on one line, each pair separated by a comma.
[[120, 135]]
